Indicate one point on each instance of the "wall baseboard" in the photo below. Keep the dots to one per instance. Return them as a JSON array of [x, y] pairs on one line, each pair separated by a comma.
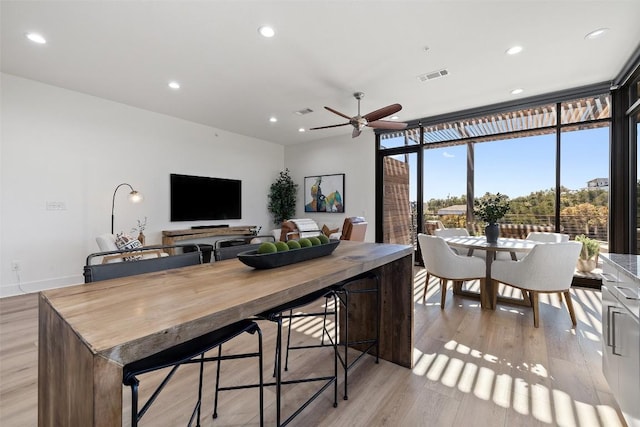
[[14, 289]]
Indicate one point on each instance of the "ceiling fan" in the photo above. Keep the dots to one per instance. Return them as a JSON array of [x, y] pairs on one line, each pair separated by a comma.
[[371, 120]]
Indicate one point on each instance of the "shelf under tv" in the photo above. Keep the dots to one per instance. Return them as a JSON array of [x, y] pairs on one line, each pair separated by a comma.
[[171, 237]]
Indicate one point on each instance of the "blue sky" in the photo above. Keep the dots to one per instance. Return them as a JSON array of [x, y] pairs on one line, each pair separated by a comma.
[[517, 167]]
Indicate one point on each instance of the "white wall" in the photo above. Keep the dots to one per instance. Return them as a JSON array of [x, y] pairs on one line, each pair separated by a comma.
[[63, 146], [355, 157]]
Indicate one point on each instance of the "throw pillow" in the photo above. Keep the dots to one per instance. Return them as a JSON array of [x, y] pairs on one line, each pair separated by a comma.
[[327, 231], [124, 242]]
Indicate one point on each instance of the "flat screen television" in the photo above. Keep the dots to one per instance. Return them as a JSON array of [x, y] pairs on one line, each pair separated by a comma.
[[195, 198]]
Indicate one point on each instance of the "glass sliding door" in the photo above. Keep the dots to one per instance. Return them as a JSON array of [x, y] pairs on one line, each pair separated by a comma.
[[399, 199]]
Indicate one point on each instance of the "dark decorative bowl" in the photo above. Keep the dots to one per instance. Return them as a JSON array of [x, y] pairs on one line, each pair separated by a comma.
[[278, 259]]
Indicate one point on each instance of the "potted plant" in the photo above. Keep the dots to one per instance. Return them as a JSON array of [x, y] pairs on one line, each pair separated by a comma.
[[490, 209], [589, 254], [282, 199]]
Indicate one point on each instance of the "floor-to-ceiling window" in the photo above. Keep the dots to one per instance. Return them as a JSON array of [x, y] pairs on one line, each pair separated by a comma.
[[585, 182], [445, 183], [551, 160], [523, 168]]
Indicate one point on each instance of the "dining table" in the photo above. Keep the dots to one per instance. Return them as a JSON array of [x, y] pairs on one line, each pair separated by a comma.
[[88, 332], [489, 286]]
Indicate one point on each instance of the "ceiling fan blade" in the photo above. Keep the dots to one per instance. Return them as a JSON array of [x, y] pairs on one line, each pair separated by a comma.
[[330, 126], [338, 113], [356, 132], [385, 124], [382, 112]]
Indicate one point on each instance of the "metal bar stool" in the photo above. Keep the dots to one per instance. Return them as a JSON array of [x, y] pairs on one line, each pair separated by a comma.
[[344, 293], [277, 315], [186, 353]]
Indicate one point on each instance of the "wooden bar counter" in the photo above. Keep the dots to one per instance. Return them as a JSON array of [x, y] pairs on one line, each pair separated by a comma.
[[87, 333]]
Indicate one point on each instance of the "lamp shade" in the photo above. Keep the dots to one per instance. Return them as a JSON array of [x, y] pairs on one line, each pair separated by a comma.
[[135, 196]]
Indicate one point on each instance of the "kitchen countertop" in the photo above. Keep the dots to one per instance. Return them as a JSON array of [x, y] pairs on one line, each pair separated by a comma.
[[627, 262]]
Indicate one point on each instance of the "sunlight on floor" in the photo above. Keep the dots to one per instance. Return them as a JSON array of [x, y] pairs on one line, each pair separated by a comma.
[[525, 387]]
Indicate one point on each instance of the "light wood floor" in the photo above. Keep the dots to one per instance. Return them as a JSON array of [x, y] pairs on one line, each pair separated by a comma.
[[472, 368]]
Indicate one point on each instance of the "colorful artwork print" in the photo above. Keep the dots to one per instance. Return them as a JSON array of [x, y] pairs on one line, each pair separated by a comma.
[[324, 193]]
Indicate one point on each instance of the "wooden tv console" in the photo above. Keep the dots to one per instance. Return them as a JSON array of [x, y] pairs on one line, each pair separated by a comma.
[[171, 237]]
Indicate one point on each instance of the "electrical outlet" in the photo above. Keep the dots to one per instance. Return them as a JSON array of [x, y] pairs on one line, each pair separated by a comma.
[[56, 206], [15, 265]]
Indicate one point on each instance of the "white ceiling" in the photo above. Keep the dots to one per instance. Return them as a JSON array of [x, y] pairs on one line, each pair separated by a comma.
[[323, 51]]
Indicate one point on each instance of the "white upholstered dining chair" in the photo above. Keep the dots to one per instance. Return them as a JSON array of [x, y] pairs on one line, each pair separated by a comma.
[[544, 237], [441, 261], [547, 268]]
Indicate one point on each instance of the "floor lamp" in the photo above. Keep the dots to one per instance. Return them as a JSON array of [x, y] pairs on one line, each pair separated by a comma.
[[134, 197]]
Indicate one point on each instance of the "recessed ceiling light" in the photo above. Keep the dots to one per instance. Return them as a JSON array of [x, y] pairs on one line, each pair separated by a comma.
[[36, 38], [301, 130], [514, 50], [266, 31], [273, 119], [517, 91], [174, 85], [395, 118], [596, 33]]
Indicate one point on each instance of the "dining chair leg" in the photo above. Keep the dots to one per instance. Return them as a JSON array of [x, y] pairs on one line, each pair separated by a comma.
[[567, 300], [443, 292], [534, 304], [426, 285]]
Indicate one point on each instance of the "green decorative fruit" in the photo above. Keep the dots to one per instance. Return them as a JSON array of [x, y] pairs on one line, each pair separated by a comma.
[[323, 239], [315, 241], [304, 242], [293, 244], [267, 248], [282, 246]]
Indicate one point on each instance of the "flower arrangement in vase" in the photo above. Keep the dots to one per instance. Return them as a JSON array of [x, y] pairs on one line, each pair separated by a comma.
[[140, 228], [491, 209], [588, 259]]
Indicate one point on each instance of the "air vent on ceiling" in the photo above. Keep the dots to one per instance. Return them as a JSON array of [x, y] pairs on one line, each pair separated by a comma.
[[433, 75], [304, 111]]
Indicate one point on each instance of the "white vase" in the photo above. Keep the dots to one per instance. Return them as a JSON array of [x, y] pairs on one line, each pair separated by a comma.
[[587, 265], [276, 233]]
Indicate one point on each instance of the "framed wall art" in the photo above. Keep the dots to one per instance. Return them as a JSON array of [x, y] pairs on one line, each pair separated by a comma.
[[324, 193]]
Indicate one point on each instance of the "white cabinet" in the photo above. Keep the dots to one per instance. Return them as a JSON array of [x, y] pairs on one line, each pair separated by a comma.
[[621, 340]]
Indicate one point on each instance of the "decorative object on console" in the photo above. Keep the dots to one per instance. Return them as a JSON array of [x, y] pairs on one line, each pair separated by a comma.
[[324, 193], [134, 197], [282, 197], [139, 229], [490, 209]]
